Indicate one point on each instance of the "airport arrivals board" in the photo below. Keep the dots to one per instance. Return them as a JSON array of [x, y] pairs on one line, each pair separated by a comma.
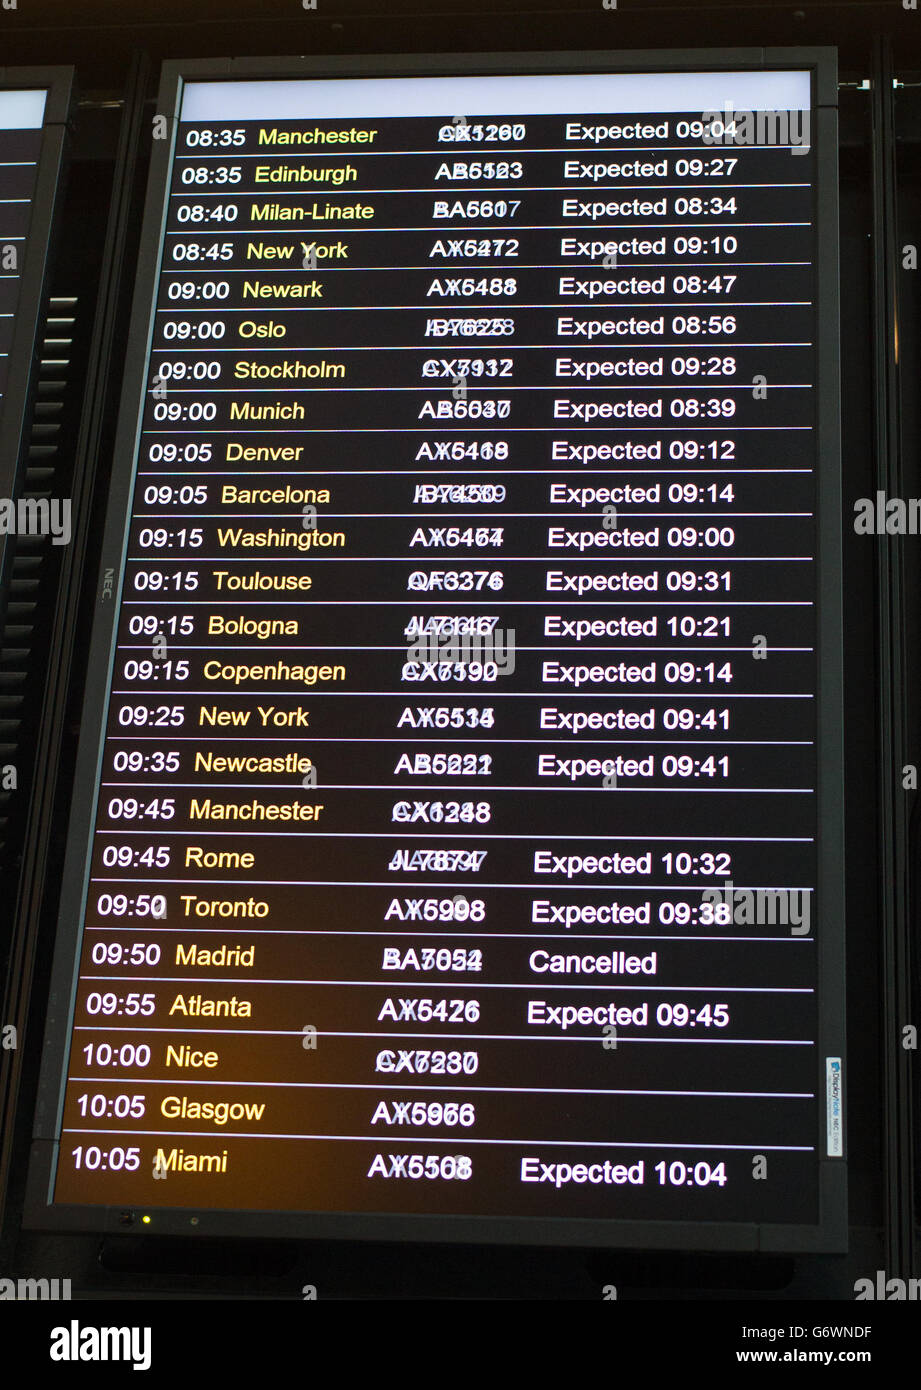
[[21, 115], [456, 849], [33, 110]]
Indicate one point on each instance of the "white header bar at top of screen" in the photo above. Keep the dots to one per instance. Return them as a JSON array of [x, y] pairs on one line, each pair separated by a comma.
[[22, 110], [291, 99]]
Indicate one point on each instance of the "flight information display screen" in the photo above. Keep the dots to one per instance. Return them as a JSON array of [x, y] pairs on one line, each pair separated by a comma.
[[455, 835], [32, 108], [21, 115]]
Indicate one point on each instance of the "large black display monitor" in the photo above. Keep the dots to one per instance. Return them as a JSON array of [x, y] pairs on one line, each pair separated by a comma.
[[34, 106], [456, 851]]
